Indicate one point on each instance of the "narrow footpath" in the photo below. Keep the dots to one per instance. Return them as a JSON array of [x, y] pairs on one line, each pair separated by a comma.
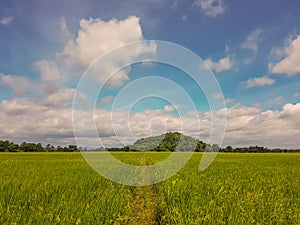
[[144, 209]]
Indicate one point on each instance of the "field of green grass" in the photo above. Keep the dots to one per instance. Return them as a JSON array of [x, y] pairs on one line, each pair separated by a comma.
[[61, 188]]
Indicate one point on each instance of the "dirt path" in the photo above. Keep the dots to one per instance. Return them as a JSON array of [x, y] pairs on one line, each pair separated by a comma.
[[144, 208]]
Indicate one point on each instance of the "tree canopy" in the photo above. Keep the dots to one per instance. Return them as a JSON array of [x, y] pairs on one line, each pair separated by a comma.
[[7, 146]]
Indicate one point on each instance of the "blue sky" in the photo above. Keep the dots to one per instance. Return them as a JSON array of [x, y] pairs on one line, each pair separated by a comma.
[[252, 47]]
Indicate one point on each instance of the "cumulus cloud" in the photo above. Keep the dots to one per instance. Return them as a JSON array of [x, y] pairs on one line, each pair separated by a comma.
[[107, 99], [64, 30], [245, 125], [28, 120], [50, 80], [169, 108], [6, 20], [210, 8], [54, 124], [289, 58], [229, 100], [50, 76], [249, 125], [18, 84], [217, 96], [221, 65], [253, 40], [117, 79], [259, 81], [96, 38], [63, 97], [276, 101]]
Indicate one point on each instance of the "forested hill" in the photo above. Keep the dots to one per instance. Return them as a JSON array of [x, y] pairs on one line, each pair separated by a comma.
[[168, 142]]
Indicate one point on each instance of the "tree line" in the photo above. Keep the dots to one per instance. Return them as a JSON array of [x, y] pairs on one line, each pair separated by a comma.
[[175, 141], [169, 142], [7, 146]]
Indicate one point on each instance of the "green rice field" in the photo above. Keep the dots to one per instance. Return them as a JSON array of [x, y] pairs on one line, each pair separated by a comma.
[[61, 188]]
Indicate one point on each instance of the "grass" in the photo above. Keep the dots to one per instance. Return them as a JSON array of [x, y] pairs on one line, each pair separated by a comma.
[[60, 188], [236, 189]]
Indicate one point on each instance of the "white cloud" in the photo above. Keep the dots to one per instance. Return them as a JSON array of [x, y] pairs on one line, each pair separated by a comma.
[[251, 126], [27, 120], [258, 82], [253, 40], [276, 101], [62, 98], [249, 60], [107, 99], [227, 48], [245, 125], [229, 100], [174, 5], [169, 108], [210, 8], [221, 65], [117, 79], [217, 96], [65, 33], [184, 17], [289, 58], [50, 80], [297, 94], [18, 84], [6, 20], [50, 76], [96, 38]]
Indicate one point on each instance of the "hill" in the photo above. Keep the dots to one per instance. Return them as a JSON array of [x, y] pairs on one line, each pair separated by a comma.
[[169, 142]]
